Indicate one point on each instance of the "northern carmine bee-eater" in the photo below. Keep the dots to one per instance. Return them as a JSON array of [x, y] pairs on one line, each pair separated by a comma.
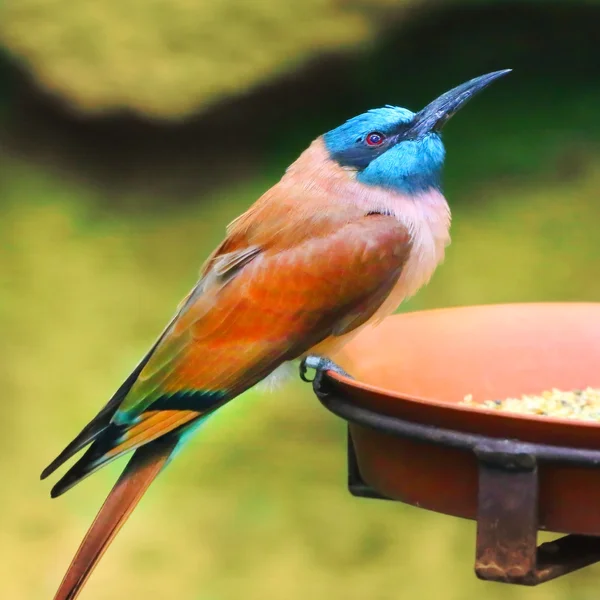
[[355, 225]]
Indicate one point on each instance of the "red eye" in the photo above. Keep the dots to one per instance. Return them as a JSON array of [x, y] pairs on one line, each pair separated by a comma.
[[375, 139]]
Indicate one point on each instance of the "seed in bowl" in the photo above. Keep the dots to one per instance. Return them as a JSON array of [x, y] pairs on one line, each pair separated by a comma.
[[575, 404]]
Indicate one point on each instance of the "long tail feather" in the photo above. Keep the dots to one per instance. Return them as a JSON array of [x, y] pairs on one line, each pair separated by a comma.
[[142, 469]]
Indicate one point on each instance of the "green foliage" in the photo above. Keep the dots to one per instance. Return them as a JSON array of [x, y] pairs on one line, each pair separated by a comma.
[[170, 57]]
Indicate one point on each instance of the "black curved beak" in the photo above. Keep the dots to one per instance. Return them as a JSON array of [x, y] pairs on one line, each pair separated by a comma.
[[437, 113]]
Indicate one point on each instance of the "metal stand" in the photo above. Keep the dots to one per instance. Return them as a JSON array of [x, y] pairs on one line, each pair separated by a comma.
[[507, 513]]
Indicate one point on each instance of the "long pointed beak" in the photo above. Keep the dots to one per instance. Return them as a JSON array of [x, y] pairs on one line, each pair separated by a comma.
[[437, 113]]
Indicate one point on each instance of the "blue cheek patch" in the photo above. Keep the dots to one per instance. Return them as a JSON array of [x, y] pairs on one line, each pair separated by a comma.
[[411, 166]]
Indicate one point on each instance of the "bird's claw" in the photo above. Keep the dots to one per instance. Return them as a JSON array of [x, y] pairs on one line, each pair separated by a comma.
[[319, 363]]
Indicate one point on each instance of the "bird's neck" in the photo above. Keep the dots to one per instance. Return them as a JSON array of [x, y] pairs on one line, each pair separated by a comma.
[[343, 188]]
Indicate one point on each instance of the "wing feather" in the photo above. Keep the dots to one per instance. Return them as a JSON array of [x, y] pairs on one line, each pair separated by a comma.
[[254, 308]]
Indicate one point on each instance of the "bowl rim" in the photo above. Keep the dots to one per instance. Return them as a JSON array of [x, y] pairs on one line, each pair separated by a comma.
[[457, 408]]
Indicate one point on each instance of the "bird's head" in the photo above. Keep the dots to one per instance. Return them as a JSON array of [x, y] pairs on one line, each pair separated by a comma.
[[396, 148]]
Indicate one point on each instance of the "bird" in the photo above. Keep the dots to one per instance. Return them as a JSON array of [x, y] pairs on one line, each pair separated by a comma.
[[355, 225]]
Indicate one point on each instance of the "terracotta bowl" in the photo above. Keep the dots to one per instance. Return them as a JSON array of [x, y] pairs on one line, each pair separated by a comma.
[[419, 366]]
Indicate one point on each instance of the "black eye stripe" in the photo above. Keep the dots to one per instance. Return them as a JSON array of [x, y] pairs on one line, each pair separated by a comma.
[[359, 153]]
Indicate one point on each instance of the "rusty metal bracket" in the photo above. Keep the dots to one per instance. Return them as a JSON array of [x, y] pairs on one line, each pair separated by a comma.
[[507, 514], [507, 522]]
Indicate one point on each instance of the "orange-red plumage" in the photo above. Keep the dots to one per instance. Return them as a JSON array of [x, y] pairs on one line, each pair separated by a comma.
[[304, 267], [281, 304], [354, 226], [303, 281]]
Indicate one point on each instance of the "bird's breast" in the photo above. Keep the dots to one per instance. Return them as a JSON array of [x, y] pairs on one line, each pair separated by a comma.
[[427, 217]]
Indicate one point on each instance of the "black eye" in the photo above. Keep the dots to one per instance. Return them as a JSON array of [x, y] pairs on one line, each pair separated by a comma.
[[375, 139]]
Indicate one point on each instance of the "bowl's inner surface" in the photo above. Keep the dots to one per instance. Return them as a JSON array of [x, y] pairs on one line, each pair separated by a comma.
[[491, 352]]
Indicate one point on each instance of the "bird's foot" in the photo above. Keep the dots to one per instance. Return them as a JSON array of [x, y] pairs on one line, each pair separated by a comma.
[[319, 363]]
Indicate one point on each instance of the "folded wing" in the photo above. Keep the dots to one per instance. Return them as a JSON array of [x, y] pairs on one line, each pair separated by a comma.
[[254, 308]]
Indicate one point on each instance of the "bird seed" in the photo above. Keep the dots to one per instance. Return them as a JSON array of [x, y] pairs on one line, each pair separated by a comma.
[[576, 404]]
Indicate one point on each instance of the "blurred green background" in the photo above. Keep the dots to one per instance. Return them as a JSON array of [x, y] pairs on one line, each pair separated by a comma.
[[131, 133]]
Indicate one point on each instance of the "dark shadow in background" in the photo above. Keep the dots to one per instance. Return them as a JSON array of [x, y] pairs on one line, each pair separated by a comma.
[[544, 112]]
